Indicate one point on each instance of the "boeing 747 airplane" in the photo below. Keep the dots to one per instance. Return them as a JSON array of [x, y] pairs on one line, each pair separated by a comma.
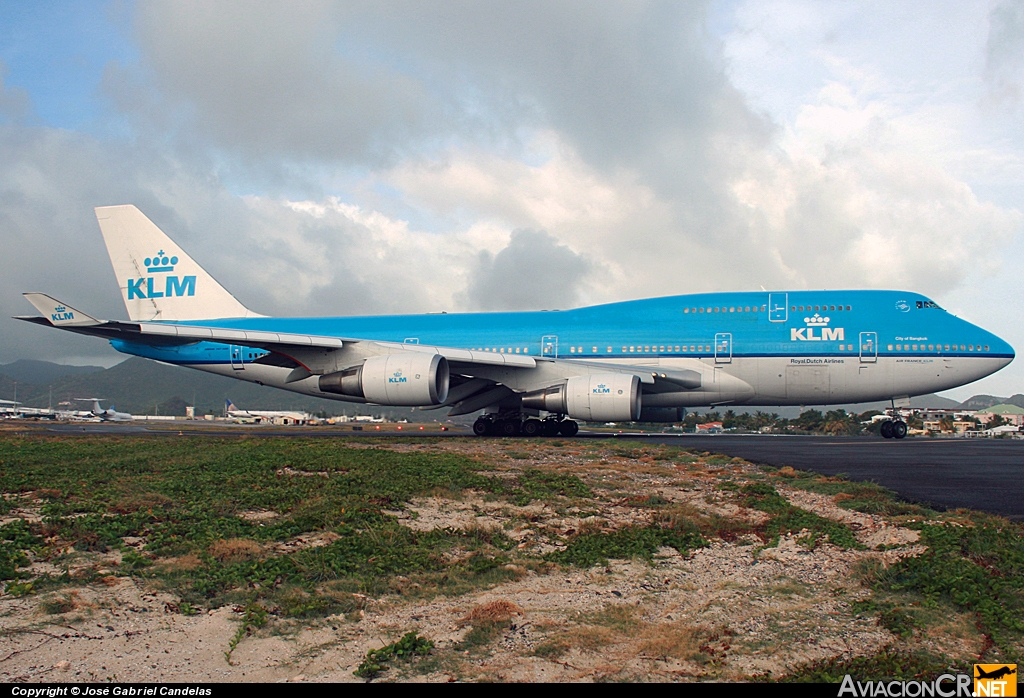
[[537, 372]]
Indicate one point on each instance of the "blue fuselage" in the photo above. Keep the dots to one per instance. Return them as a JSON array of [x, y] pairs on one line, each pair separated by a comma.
[[858, 330]]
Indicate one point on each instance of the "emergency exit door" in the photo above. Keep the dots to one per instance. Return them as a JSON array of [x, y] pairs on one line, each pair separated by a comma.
[[868, 347]]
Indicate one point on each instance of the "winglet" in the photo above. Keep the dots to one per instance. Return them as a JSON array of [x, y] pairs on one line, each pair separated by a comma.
[[59, 314]]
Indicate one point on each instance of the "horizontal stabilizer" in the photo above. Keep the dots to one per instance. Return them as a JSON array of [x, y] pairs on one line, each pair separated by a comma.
[[59, 314]]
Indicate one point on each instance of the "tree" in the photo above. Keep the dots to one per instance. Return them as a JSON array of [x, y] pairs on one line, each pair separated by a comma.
[[994, 421]]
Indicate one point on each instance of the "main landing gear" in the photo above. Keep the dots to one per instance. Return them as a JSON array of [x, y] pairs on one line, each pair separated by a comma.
[[487, 425], [893, 427]]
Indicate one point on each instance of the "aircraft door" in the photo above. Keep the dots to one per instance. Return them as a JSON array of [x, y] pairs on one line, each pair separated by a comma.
[[237, 357], [549, 346], [868, 347], [723, 348], [778, 307]]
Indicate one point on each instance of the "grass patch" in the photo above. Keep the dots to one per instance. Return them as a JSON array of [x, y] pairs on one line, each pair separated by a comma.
[[977, 567], [888, 665], [589, 549], [891, 617], [786, 518], [186, 500], [255, 617], [865, 497], [16, 541], [377, 661], [545, 485]]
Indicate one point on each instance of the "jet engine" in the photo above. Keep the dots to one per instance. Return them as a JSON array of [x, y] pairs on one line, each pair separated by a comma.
[[599, 397], [411, 379]]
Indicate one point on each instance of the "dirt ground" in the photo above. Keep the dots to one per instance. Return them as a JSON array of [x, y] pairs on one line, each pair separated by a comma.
[[732, 610]]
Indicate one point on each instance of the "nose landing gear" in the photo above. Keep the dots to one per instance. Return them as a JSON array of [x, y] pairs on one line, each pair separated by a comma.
[[894, 427]]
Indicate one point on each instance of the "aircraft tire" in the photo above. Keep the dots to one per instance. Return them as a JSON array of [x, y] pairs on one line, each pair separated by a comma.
[[509, 427], [899, 429], [532, 427], [481, 427], [568, 428], [886, 430], [550, 427]]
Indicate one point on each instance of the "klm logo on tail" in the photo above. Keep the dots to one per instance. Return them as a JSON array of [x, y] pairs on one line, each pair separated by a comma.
[[173, 285], [61, 313]]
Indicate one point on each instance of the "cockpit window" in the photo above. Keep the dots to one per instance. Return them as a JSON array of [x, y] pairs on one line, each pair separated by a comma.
[[928, 304]]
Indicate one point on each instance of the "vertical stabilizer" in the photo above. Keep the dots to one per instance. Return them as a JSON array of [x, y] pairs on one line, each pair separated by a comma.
[[158, 280]]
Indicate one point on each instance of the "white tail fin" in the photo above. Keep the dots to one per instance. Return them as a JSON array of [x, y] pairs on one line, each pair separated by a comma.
[[158, 280]]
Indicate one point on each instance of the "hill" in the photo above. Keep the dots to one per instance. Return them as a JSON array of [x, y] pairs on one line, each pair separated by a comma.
[[981, 402], [42, 372]]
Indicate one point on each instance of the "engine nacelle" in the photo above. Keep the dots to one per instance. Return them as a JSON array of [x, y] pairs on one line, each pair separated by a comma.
[[600, 397], [408, 379]]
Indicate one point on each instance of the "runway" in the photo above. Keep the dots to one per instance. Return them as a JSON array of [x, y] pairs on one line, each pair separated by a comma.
[[982, 474]]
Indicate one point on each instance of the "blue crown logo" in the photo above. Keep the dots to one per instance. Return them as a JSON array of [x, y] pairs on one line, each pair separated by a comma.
[[160, 262], [59, 309]]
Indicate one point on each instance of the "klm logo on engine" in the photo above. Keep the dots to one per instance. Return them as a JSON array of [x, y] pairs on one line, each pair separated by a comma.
[[150, 287], [601, 389], [60, 313], [825, 333], [397, 377]]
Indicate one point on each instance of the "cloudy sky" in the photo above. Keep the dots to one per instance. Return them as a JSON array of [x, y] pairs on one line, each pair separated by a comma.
[[351, 158]]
